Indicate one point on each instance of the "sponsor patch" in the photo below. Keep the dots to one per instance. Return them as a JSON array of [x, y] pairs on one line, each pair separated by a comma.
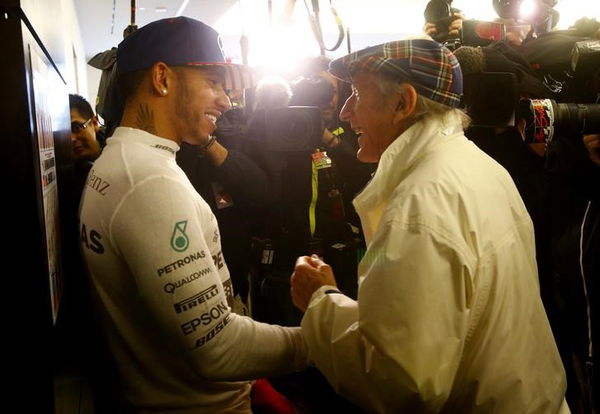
[[180, 263], [179, 240], [228, 288], [196, 300], [97, 183], [205, 319], [218, 259], [213, 332], [91, 240], [165, 148], [171, 287]]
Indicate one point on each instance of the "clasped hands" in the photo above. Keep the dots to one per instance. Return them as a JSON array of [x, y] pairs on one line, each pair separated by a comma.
[[310, 273]]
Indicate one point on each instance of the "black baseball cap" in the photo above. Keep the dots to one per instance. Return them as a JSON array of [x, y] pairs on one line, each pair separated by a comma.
[[179, 41]]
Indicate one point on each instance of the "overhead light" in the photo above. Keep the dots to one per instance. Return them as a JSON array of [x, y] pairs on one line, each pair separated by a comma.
[[527, 9], [160, 9], [141, 8], [184, 4]]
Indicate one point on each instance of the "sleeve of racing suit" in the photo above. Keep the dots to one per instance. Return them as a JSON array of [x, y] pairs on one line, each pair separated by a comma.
[[161, 230], [398, 348]]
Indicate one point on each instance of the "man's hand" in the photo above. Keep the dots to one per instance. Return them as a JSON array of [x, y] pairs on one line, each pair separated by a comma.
[[329, 139], [454, 26], [592, 143], [309, 275]]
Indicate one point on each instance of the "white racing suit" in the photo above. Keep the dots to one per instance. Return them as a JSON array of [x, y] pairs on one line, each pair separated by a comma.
[[152, 247]]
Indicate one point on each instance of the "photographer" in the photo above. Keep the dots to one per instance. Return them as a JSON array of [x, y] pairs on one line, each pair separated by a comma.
[[237, 190], [339, 140], [442, 22], [570, 59], [557, 173], [573, 247]]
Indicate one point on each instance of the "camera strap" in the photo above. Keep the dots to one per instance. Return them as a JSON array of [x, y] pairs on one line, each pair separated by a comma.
[[315, 195], [315, 24]]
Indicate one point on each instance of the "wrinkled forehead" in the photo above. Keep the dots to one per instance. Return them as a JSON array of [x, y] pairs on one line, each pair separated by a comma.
[[365, 80]]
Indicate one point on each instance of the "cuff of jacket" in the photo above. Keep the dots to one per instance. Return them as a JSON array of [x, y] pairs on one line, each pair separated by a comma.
[[322, 291]]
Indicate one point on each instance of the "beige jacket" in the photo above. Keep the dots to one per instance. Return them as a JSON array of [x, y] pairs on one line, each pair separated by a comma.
[[449, 316]]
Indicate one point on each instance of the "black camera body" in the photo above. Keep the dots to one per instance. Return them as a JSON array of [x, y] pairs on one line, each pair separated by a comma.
[[543, 19], [439, 12], [575, 111], [473, 32], [546, 119], [584, 85], [293, 129]]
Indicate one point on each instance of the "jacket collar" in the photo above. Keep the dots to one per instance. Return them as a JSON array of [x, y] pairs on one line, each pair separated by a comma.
[[396, 162]]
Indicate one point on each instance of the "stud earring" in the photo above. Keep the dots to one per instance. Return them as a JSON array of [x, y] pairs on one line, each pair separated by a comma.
[[164, 91]]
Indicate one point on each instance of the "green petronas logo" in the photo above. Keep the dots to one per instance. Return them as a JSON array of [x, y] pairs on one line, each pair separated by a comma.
[[179, 240]]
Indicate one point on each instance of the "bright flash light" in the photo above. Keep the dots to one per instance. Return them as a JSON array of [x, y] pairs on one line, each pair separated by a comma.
[[278, 45], [527, 9], [281, 48]]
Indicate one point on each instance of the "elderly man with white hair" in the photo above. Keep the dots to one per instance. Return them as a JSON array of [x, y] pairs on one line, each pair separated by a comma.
[[448, 316]]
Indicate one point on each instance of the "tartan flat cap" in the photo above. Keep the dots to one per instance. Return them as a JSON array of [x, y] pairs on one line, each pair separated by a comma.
[[430, 67]]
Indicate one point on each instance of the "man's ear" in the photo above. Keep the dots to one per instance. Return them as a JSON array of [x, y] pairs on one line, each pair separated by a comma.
[[96, 123], [160, 79], [407, 102]]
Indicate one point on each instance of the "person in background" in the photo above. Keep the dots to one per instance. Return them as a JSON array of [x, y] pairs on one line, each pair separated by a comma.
[[272, 92], [338, 138], [237, 190], [592, 144], [448, 316], [590, 263], [84, 127], [85, 131], [152, 245]]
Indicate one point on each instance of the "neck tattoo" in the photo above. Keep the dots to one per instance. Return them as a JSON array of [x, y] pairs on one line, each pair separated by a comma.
[[145, 119]]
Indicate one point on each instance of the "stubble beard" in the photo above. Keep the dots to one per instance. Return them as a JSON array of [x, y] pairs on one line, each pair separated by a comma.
[[189, 119]]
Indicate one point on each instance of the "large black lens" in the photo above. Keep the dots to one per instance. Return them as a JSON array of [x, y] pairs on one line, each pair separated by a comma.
[[293, 129], [573, 119], [545, 119]]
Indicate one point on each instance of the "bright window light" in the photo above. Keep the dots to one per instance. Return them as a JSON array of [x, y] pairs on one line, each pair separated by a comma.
[[288, 38], [278, 45], [572, 10]]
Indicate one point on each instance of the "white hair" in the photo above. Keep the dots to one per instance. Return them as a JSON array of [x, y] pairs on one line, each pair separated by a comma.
[[272, 92], [425, 108]]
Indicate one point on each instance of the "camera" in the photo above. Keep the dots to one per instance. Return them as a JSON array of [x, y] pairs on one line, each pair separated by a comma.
[[439, 12], [582, 78], [473, 32], [539, 13], [312, 91], [293, 129], [546, 118]]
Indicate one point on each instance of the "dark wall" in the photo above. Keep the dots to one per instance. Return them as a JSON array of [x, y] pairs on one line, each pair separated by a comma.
[[28, 108]]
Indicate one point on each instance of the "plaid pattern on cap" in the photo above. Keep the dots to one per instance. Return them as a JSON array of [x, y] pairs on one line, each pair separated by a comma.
[[430, 67]]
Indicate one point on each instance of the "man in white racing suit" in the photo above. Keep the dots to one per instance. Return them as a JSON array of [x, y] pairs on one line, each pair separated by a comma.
[[448, 316], [151, 243]]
